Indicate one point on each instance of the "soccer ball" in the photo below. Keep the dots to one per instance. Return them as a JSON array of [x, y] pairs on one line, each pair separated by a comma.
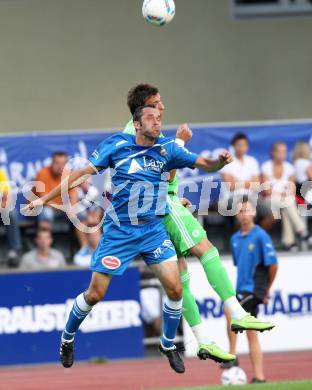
[[234, 376], [158, 12]]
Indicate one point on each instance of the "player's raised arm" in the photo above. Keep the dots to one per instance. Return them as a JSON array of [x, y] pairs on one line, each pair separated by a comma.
[[71, 181], [214, 165]]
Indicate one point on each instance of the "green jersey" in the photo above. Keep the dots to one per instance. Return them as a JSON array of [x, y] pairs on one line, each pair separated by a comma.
[[173, 184]]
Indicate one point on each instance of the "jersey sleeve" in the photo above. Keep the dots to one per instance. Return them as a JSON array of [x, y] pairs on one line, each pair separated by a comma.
[[233, 250], [101, 157], [268, 250], [180, 157]]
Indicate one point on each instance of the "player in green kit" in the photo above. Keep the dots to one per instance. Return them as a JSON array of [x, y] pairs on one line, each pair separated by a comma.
[[189, 237]]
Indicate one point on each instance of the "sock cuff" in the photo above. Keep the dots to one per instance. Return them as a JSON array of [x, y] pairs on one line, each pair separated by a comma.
[[210, 254], [173, 305], [184, 276], [82, 304]]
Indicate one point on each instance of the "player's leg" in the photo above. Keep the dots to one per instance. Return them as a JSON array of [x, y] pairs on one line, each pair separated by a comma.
[[82, 306], [188, 236], [256, 356], [206, 347], [232, 337], [168, 274], [114, 253]]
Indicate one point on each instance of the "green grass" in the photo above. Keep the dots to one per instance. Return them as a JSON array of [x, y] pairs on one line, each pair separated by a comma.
[[301, 385]]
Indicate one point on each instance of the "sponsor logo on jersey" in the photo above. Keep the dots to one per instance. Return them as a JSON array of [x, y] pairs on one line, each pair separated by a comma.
[[134, 167], [149, 164], [111, 262], [152, 165]]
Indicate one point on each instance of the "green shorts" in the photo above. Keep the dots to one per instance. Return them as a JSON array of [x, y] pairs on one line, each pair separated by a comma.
[[184, 230]]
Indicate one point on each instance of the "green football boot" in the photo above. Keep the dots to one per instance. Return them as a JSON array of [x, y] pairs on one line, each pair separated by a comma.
[[250, 322], [214, 352]]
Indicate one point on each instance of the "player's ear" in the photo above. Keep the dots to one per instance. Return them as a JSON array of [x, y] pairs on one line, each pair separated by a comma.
[[136, 125]]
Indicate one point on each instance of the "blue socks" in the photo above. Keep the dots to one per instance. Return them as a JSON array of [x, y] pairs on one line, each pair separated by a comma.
[[172, 312], [78, 313]]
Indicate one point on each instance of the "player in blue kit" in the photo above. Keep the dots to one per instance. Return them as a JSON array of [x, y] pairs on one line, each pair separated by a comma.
[[133, 223], [255, 258]]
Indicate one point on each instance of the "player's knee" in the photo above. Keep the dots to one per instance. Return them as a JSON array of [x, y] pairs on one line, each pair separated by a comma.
[[175, 292], [93, 295]]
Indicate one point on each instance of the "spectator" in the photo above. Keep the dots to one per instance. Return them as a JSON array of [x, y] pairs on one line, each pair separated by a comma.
[[254, 256], [10, 219], [43, 256], [242, 176], [280, 198], [87, 194], [51, 176], [83, 257], [303, 170]]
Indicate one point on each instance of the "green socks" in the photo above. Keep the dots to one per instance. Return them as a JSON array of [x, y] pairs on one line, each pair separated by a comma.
[[190, 309], [216, 274]]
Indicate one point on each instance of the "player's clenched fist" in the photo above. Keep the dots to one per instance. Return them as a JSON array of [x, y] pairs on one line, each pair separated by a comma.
[[225, 157], [184, 132]]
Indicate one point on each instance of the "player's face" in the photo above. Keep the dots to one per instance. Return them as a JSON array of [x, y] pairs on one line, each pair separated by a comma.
[[246, 213], [156, 102], [150, 125], [240, 147]]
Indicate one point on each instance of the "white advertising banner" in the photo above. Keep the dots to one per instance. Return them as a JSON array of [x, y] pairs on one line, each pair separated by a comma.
[[290, 307]]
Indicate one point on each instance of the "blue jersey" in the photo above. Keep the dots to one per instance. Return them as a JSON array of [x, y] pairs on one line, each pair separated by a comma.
[[139, 174], [253, 253]]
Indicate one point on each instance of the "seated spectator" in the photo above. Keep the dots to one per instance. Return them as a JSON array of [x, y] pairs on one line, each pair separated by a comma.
[[51, 176], [240, 178], [83, 257], [303, 170], [43, 256], [87, 194], [9, 218], [280, 198]]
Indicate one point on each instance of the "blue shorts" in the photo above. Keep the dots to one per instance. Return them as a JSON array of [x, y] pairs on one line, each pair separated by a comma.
[[119, 245]]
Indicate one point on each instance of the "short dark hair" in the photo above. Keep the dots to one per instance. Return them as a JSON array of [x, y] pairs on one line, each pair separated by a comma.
[[137, 116], [238, 137], [138, 95], [43, 230], [59, 153]]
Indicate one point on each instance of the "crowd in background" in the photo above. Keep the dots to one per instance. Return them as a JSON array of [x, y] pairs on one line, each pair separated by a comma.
[[244, 176]]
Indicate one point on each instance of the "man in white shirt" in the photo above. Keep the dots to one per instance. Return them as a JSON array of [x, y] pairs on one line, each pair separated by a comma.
[[241, 177], [43, 257]]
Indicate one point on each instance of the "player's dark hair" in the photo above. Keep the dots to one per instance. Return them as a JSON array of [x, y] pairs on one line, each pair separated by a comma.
[[238, 137], [137, 116], [138, 95], [59, 153]]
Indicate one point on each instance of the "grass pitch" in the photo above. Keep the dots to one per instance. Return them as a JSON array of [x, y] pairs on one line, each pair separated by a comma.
[[299, 385]]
